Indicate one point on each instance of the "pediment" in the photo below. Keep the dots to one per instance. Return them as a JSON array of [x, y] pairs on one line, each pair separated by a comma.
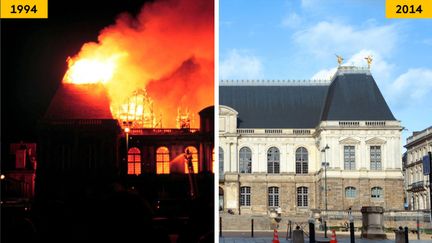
[[349, 141], [375, 141], [227, 111]]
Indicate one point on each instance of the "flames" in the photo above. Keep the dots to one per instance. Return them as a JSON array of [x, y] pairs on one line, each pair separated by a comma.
[[154, 63], [90, 70]]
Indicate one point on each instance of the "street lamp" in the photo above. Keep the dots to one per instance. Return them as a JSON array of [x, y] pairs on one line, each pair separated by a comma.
[[325, 164], [127, 130]]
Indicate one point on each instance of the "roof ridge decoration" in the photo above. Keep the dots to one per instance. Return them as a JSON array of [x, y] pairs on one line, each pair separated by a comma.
[[274, 82], [341, 70]]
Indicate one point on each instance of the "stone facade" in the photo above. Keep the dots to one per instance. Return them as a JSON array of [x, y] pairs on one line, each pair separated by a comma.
[[370, 184], [417, 191]]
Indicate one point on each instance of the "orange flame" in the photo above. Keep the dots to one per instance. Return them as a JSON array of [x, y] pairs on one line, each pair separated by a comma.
[[90, 70], [166, 50]]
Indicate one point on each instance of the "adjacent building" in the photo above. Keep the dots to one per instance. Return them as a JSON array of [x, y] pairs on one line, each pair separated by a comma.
[[294, 147], [417, 184], [18, 178]]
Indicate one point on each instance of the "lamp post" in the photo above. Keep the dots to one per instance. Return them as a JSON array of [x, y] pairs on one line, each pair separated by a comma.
[[325, 164], [127, 130]]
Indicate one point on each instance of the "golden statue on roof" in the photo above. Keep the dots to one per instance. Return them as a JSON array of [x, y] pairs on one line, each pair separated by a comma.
[[339, 59], [369, 60]]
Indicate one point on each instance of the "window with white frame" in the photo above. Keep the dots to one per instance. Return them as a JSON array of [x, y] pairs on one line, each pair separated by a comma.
[[221, 163], [245, 160], [377, 193], [350, 192], [301, 161], [375, 157], [349, 157], [273, 160], [273, 196], [302, 196], [245, 196]]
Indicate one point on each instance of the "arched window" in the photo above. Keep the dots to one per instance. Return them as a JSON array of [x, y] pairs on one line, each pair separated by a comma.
[[245, 161], [273, 196], [162, 160], [377, 193], [245, 196], [194, 153], [273, 156], [301, 161], [350, 192], [134, 161], [302, 196], [212, 162], [221, 163], [221, 199]]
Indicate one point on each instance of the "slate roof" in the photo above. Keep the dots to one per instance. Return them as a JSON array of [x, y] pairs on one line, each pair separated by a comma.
[[349, 96], [84, 101], [355, 97], [274, 106]]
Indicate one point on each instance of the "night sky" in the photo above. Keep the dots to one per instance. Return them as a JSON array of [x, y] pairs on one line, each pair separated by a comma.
[[33, 59]]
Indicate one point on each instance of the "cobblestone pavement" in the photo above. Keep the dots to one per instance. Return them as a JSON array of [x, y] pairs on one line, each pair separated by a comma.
[[269, 240], [266, 237]]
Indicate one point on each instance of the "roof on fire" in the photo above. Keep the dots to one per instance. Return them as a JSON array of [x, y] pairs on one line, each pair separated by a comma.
[[83, 101]]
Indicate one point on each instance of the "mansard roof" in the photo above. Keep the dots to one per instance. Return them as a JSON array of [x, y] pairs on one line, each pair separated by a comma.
[[83, 101], [355, 96], [352, 94], [275, 106]]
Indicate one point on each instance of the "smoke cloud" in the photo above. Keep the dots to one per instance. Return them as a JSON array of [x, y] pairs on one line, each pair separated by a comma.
[[168, 48]]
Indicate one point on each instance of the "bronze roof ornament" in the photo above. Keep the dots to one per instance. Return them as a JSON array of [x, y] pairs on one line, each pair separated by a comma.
[[369, 60], [339, 59]]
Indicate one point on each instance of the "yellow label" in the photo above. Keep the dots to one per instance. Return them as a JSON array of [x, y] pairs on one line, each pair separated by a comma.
[[24, 9], [409, 8]]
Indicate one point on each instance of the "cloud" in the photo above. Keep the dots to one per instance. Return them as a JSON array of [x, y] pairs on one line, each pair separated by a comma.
[[240, 64], [293, 20], [413, 85], [330, 37], [381, 69], [308, 3], [324, 74]]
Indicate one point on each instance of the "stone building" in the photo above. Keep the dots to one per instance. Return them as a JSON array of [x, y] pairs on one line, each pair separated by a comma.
[[79, 138], [417, 184], [120, 176], [276, 135], [18, 175]]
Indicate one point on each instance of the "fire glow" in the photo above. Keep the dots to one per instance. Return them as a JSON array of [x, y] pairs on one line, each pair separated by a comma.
[[90, 71], [153, 64]]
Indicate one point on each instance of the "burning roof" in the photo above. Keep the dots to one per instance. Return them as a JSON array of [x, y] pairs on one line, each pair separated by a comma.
[[83, 101], [151, 65]]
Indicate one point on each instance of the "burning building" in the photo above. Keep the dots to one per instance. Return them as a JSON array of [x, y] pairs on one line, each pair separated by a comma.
[[127, 119], [80, 137]]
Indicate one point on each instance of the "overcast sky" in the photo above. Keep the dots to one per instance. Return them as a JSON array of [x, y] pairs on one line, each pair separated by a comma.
[[284, 39]]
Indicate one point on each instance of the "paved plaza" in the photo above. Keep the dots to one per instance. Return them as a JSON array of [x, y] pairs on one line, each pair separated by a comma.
[[342, 237]]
